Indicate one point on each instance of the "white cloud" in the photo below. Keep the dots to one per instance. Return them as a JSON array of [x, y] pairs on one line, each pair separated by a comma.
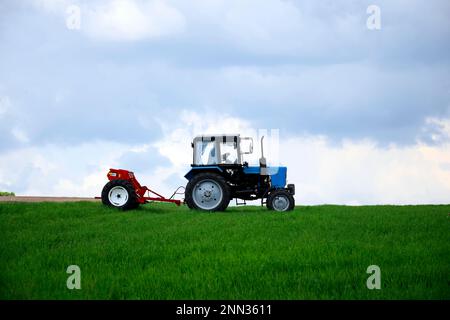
[[259, 27], [359, 172], [176, 144], [132, 20], [121, 20], [437, 130]]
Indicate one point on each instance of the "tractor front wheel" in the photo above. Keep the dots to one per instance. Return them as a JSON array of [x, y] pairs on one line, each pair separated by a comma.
[[280, 200], [120, 194], [207, 191]]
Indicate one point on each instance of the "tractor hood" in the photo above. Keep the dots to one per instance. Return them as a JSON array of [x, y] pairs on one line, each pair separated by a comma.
[[277, 174]]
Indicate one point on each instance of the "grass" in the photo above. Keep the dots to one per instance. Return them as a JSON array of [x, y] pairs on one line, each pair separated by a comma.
[[164, 252]]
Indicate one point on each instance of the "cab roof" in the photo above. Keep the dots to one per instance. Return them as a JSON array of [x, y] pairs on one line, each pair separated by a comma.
[[213, 137]]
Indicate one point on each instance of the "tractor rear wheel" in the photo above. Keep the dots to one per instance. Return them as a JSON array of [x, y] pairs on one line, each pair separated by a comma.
[[120, 194], [280, 200], [207, 191]]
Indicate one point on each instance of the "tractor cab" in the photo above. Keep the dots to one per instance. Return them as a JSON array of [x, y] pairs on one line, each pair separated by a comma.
[[219, 150]]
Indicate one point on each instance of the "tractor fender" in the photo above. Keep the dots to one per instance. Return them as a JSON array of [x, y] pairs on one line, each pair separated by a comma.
[[196, 170]]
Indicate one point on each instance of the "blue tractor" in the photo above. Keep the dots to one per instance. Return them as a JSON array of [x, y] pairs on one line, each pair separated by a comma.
[[219, 174]]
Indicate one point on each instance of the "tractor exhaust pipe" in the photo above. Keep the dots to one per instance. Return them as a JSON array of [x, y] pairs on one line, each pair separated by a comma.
[[262, 147], [262, 160]]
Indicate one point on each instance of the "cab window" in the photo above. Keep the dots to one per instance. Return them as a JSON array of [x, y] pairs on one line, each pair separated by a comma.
[[229, 153], [205, 153]]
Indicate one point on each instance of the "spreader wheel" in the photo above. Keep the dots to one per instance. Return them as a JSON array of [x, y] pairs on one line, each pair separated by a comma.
[[207, 191], [280, 200], [119, 194]]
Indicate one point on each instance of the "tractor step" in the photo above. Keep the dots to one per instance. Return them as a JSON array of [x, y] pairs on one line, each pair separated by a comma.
[[240, 203]]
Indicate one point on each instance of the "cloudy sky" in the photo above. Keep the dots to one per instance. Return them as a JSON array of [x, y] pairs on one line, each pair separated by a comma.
[[363, 113]]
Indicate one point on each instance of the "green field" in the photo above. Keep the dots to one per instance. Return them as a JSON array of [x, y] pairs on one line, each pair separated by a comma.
[[165, 252]]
